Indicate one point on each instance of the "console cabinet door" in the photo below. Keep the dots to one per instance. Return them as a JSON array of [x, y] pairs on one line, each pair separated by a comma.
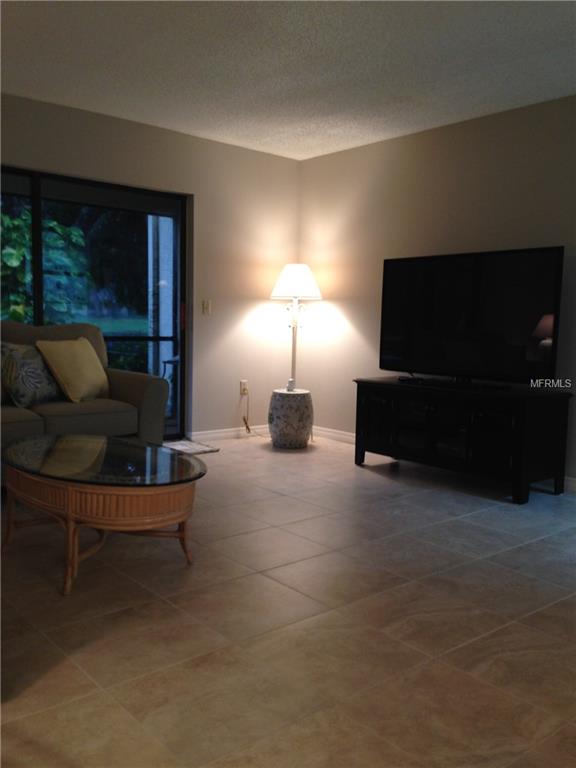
[[492, 440], [379, 423]]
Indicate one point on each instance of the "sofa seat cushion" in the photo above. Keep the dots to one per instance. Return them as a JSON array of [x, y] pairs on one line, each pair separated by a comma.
[[92, 417], [18, 423]]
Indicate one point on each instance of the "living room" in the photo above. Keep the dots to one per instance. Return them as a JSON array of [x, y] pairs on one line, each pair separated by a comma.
[[463, 143]]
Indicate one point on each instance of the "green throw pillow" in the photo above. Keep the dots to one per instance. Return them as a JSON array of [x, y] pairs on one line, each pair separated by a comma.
[[25, 376]]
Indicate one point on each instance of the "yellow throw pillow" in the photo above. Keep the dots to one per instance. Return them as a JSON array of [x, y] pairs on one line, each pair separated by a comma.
[[76, 367]]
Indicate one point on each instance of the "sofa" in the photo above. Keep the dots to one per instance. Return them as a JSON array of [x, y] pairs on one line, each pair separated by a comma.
[[135, 405]]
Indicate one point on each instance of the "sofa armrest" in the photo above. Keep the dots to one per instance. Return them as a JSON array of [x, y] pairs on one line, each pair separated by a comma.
[[149, 394]]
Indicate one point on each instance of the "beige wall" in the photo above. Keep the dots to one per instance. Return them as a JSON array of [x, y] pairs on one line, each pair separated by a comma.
[[504, 181], [244, 230]]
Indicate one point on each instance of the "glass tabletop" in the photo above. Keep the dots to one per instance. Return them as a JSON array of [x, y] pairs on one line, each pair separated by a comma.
[[101, 460]]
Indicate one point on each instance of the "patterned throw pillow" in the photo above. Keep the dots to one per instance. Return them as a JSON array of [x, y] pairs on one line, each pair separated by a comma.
[[25, 376]]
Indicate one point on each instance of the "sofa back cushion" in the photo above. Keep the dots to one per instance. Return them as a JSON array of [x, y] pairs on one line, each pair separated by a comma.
[[76, 367], [20, 333]]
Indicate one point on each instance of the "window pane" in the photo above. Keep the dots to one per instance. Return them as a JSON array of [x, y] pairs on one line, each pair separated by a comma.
[[109, 267], [157, 357], [107, 255], [116, 269], [95, 268], [16, 264]]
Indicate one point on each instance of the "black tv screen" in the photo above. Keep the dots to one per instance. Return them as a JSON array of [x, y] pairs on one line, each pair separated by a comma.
[[491, 315]]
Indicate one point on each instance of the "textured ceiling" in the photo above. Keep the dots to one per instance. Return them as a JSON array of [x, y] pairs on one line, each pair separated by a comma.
[[297, 79]]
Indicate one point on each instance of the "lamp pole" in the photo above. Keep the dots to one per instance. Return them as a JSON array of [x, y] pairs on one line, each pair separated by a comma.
[[292, 381]]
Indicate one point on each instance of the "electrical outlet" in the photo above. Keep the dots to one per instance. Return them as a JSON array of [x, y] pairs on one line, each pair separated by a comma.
[[243, 387], [206, 307]]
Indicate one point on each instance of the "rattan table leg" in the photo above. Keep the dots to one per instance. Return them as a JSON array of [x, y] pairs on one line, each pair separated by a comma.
[[182, 532], [10, 505], [71, 555]]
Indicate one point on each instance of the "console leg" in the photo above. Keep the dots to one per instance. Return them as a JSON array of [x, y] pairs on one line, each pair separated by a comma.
[[359, 455], [520, 493], [558, 485]]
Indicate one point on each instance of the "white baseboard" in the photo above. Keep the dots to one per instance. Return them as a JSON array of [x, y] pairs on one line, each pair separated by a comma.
[[335, 434], [223, 434], [570, 484], [237, 432]]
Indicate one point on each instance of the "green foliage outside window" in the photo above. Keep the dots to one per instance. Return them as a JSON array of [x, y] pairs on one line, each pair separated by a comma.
[[67, 281], [16, 263]]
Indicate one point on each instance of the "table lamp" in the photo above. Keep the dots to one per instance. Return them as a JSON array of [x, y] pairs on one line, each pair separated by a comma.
[[291, 414]]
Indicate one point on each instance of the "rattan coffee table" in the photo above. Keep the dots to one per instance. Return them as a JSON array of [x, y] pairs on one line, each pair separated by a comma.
[[104, 483]]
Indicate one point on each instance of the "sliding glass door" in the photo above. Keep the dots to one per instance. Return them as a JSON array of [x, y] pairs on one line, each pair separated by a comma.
[[75, 251]]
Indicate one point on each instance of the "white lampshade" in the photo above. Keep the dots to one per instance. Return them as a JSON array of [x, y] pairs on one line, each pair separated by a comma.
[[545, 327], [296, 281]]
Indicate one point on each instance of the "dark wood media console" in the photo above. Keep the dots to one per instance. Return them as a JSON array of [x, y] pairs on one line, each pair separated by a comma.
[[514, 433]]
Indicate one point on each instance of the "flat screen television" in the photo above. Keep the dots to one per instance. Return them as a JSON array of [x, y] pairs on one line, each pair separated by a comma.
[[491, 315]]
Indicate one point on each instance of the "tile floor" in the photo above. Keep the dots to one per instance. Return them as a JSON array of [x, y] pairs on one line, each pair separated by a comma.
[[335, 617]]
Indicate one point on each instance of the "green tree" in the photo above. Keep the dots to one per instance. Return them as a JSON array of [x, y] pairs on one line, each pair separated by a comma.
[[16, 264], [67, 280]]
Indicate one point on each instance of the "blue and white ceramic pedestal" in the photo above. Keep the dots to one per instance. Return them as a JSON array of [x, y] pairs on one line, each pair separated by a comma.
[[290, 418]]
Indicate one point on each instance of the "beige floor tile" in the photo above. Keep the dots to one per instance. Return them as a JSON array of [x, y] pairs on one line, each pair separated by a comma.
[[397, 516], [217, 704], [336, 531], [36, 556], [269, 548], [528, 663], [558, 751], [247, 606], [281, 510], [378, 477], [406, 556], [558, 619], [335, 579], [450, 719], [566, 538], [95, 592], [13, 625], [496, 588], [269, 700], [132, 642], [330, 655], [221, 492], [544, 499], [543, 560], [450, 503], [218, 523], [340, 497], [327, 739], [468, 538], [94, 732], [424, 618], [36, 675], [160, 566], [288, 482], [527, 521]]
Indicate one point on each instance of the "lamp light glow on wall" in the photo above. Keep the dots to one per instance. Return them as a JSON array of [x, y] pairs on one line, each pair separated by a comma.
[[295, 283]]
